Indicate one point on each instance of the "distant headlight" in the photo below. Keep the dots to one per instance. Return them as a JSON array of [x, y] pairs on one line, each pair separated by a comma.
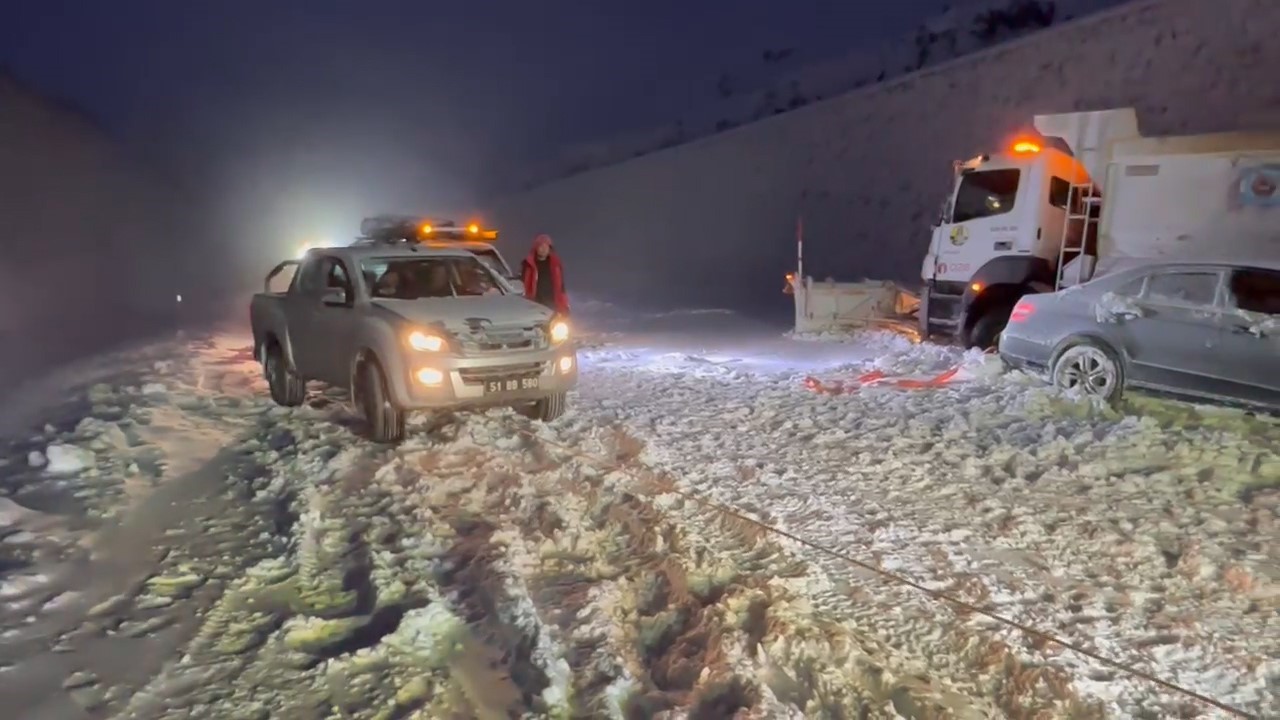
[[559, 331], [425, 342]]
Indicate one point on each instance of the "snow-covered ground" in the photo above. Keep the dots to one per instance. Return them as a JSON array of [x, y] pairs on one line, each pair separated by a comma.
[[252, 561]]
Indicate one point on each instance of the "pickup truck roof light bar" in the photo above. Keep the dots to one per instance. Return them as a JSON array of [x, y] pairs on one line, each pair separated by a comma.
[[405, 228]]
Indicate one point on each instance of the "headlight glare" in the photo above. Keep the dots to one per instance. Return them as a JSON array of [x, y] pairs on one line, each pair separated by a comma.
[[429, 376], [425, 342], [559, 331]]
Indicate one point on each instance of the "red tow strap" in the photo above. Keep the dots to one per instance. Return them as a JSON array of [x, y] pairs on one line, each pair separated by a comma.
[[877, 377]]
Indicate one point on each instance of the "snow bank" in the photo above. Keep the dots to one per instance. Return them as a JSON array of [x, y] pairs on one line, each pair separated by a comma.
[[68, 459]]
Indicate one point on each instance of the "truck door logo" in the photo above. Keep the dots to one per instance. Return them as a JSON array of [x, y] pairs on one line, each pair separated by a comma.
[[959, 235]]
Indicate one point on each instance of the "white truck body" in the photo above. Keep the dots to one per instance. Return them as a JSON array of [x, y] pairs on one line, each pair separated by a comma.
[[1181, 197]]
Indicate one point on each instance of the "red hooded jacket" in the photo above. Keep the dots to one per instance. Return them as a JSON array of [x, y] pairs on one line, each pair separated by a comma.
[[529, 274]]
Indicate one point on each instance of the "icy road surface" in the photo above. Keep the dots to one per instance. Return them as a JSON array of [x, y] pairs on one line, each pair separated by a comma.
[[172, 545]]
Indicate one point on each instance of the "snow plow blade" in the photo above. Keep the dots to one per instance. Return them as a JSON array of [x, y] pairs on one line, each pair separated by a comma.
[[828, 306]]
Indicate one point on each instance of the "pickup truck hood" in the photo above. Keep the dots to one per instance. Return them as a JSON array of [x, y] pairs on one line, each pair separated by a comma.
[[453, 313]]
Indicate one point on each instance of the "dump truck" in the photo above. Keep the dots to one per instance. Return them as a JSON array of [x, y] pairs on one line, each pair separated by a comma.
[[1086, 190]]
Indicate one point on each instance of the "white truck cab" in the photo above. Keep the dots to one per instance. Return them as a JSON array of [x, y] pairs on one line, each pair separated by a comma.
[[1010, 216]]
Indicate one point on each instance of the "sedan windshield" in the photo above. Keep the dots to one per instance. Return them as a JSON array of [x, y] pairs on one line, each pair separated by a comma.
[[428, 277]]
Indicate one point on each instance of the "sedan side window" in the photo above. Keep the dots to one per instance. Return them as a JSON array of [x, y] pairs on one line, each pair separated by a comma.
[[1132, 289], [1256, 291], [1186, 288]]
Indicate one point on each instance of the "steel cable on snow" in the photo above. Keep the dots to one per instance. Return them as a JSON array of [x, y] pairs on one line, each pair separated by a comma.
[[1043, 635]]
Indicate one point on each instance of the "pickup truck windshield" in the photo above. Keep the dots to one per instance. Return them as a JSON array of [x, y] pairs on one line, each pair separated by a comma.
[[429, 277], [492, 261]]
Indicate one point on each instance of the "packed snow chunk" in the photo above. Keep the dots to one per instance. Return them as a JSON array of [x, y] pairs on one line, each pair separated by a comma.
[[154, 389], [22, 585], [1256, 323], [36, 459], [68, 459], [12, 514], [978, 365], [431, 635], [1112, 308]]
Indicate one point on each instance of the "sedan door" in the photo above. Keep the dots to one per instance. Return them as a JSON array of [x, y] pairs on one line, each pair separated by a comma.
[[1175, 343]]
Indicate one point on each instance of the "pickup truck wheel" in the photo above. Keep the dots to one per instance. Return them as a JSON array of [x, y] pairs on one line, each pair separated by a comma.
[[287, 388], [386, 421], [550, 407]]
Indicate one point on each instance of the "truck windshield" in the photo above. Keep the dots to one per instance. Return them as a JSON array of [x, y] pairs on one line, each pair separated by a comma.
[[492, 261], [985, 193], [429, 277]]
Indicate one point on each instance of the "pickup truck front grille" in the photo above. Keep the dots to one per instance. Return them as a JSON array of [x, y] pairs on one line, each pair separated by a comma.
[[498, 339], [476, 376]]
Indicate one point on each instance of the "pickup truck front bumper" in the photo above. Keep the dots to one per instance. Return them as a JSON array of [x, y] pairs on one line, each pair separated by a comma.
[[492, 379]]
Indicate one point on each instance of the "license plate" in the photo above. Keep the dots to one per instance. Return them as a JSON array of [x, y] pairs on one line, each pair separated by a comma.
[[506, 385]]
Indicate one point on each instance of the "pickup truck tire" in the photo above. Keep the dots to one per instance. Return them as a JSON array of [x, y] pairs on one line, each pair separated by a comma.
[[386, 421], [550, 407], [287, 388]]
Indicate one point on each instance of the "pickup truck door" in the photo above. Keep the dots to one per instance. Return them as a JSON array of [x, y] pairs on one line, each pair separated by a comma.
[[321, 322]]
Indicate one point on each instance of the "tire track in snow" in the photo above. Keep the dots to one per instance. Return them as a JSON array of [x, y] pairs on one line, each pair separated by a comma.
[[868, 471]]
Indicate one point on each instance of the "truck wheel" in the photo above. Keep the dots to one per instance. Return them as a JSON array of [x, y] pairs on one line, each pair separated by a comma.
[[985, 333], [386, 421], [1090, 367], [287, 388], [549, 408]]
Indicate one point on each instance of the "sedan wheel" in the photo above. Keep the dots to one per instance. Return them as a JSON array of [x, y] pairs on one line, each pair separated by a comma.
[[1090, 369]]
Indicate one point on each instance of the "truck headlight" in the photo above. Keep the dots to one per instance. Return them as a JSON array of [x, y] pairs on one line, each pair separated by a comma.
[[559, 331], [426, 342], [429, 376]]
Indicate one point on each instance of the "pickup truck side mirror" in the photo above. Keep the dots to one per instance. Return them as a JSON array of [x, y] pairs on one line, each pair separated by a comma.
[[334, 297]]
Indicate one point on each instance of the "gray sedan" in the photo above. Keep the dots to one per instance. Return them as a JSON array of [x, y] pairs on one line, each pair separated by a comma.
[[1202, 330]]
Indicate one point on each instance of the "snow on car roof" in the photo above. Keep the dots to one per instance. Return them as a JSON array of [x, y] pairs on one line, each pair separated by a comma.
[[1121, 264], [400, 250]]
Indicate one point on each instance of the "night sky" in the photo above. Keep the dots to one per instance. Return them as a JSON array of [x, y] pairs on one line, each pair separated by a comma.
[[393, 101]]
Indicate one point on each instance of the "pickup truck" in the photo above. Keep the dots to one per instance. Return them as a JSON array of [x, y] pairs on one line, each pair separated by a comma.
[[406, 327]]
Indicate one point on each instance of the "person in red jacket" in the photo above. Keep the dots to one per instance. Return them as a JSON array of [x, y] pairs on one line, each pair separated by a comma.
[[543, 276]]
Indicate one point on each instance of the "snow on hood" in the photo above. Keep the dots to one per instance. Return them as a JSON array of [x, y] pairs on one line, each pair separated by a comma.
[[500, 309]]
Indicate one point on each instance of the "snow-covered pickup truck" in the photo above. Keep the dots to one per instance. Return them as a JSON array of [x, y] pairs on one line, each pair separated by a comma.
[[408, 327]]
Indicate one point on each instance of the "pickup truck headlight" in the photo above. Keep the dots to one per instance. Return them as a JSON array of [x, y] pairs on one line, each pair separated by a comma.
[[559, 331], [426, 342]]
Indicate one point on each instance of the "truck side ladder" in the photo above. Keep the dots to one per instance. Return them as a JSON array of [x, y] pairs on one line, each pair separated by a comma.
[[1079, 230]]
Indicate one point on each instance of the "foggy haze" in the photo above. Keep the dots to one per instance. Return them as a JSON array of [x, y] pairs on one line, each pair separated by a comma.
[[241, 130]]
